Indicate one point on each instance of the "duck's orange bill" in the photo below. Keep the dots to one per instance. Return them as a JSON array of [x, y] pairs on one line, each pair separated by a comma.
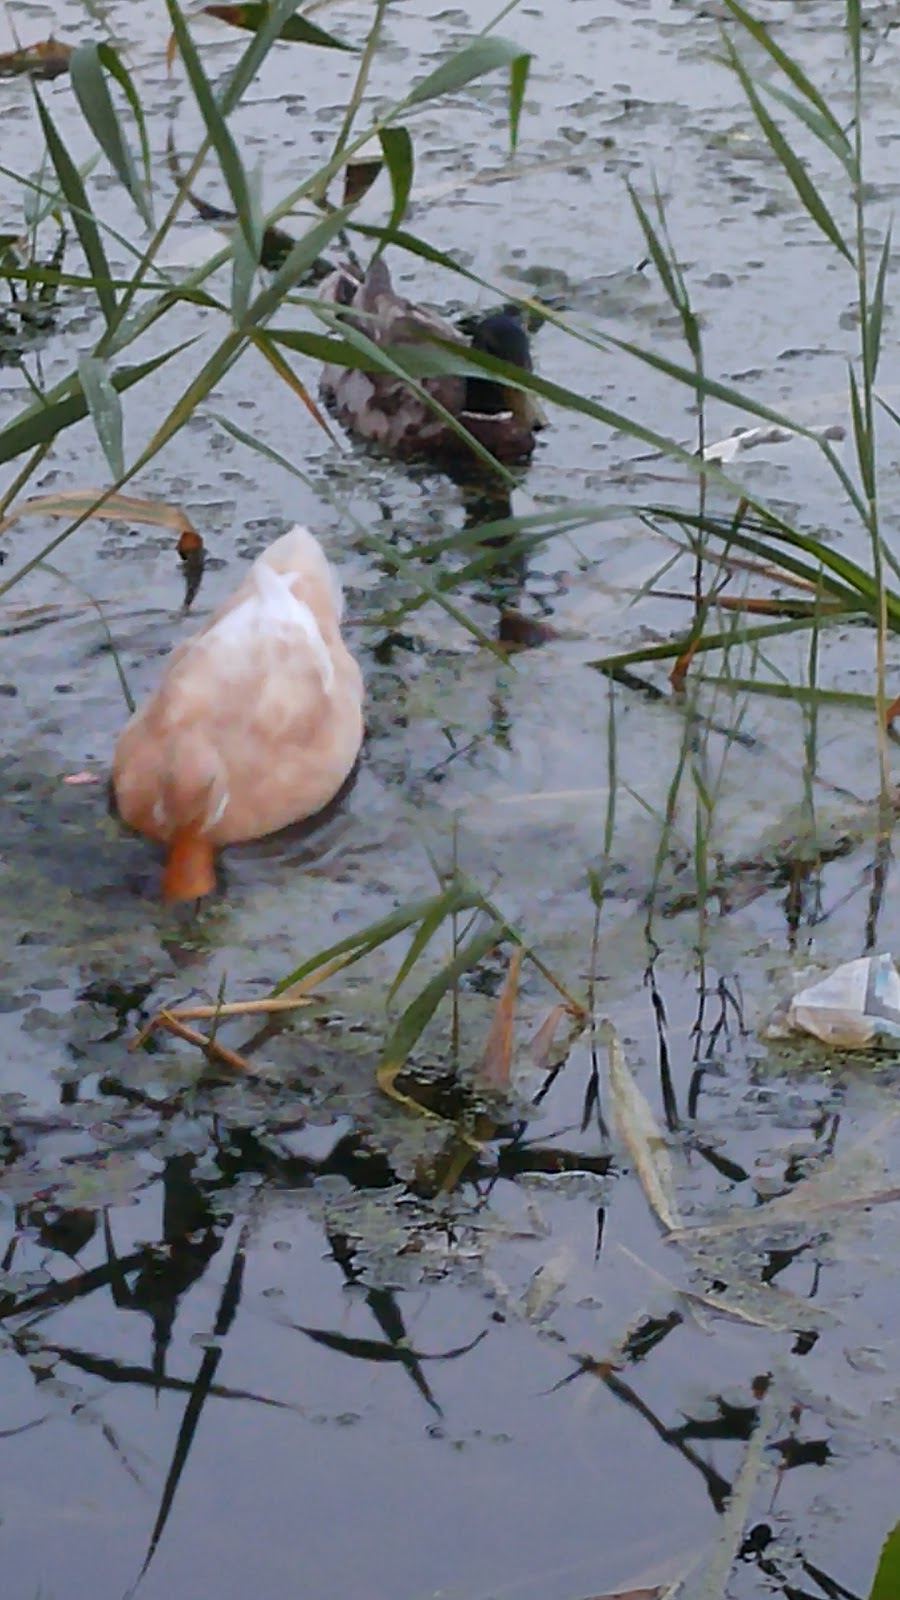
[[188, 872]]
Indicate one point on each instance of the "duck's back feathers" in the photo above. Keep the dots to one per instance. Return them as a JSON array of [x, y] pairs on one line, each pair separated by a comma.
[[298, 555], [377, 406], [257, 721], [383, 409]]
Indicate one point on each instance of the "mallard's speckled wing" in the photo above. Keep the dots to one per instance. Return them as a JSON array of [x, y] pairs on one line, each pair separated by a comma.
[[380, 408]]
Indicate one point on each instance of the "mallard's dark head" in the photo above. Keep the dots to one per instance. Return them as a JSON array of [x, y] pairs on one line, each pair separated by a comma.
[[502, 334]]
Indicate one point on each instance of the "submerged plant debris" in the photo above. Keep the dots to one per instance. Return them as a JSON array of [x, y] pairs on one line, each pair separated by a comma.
[[31, 294]]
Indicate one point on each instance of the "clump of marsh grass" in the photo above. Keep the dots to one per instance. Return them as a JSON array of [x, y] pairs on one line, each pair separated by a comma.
[[830, 587]]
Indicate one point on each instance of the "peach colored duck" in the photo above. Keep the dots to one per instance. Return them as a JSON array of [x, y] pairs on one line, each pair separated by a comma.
[[256, 724]]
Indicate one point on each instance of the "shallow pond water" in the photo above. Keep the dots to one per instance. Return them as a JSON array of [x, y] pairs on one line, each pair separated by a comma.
[[244, 1345]]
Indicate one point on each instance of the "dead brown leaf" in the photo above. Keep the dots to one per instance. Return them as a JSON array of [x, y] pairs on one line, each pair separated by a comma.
[[359, 177], [122, 508], [542, 1043], [496, 1063], [520, 632]]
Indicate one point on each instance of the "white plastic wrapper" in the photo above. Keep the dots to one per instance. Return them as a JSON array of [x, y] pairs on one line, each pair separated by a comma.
[[857, 1004]]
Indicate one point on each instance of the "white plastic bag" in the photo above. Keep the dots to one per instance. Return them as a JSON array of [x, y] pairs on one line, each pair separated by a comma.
[[857, 1004]]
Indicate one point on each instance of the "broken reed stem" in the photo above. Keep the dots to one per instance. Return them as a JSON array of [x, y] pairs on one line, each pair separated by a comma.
[[173, 1020], [235, 1008], [211, 1047]]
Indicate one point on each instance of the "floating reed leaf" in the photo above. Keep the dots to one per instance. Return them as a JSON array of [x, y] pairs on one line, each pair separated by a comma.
[[640, 1134]]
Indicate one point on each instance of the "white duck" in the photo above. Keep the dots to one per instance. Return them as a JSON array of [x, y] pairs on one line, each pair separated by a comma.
[[256, 724]]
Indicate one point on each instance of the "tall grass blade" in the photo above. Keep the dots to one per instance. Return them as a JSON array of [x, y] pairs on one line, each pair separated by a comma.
[[216, 128], [357, 945], [106, 410], [115, 66], [245, 262], [294, 29], [873, 325], [827, 568], [658, 254], [421, 1010], [800, 693], [397, 147], [456, 899], [483, 55], [76, 199], [817, 125], [124, 507], [305, 253], [63, 577], [791, 69], [862, 439], [211, 373], [93, 96], [886, 1582], [613, 666], [39, 202], [66, 404], [351, 111], [519, 68], [790, 162], [276, 361]]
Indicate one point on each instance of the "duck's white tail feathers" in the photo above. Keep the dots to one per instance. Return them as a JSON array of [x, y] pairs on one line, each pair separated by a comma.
[[298, 552], [285, 609]]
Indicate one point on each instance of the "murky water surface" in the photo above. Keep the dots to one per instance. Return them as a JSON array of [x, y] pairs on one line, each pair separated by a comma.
[[243, 1349]]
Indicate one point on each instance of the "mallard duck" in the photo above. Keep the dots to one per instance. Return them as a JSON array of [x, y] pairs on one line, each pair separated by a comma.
[[387, 412], [256, 723]]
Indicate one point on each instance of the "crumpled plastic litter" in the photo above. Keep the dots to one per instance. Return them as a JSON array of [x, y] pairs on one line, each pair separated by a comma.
[[744, 439], [854, 1006]]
